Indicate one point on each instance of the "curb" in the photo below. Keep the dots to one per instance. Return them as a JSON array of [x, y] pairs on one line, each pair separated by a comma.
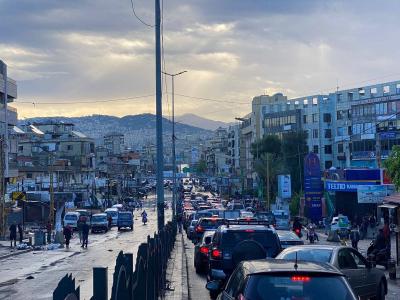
[[185, 272], [17, 252]]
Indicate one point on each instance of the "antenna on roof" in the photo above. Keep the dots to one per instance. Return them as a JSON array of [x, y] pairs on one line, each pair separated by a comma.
[[295, 263]]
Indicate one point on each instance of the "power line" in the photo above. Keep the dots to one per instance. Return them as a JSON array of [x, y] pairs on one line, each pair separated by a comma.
[[84, 102], [137, 17], [213, 99]]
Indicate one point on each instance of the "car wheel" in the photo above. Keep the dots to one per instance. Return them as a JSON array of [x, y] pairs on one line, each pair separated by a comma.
[[119, 228], [381, 294]]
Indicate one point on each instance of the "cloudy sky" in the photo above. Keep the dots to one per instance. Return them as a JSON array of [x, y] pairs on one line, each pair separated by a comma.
[[68, 51]]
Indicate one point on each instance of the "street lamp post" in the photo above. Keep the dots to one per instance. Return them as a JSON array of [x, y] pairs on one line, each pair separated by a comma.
[[173, 142]]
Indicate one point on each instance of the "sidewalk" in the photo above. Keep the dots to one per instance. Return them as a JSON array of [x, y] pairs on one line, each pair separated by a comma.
[[177, 280]]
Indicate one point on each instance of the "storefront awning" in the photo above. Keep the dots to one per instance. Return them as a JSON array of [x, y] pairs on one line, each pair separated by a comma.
[[390, 206], [392, 199]]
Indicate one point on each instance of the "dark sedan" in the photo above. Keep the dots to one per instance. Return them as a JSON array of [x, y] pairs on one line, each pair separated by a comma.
[[366, 281], [201, 252]]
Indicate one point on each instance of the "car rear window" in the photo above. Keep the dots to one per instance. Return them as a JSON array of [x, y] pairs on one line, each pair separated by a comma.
[[71, 217], [316, 255], [209, 223], [265, 238], [99, 218], [125, 216], [263, 287]]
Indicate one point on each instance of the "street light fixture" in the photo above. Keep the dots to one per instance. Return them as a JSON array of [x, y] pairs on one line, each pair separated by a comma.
[[173, 141]]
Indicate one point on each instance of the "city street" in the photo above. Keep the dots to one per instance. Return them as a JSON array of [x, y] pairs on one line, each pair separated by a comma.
[[46, 268], [196, 282]]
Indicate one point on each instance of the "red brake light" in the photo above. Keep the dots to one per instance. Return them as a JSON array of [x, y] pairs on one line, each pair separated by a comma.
[[199, 229], [297, 230], [216, 253], [301, 278], [204, 250], [249, 230]]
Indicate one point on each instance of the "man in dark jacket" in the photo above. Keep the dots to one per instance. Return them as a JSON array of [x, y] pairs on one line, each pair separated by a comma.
[[67, 234], [21, 233], [13, 234], [85, 234]]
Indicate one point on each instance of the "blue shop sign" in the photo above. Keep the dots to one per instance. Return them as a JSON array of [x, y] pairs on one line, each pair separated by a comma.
[[345, 186]]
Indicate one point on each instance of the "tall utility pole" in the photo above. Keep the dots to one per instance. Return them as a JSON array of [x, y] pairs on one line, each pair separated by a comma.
[[4, 67], [173, 142], [2, 191], [268, 200], [159, 131], [51, 188]]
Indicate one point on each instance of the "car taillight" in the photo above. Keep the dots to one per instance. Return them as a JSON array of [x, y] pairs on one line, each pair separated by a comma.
[[249, 230], [297, 230], [204, 250], [216, 254], [199, 229], [301, 278]]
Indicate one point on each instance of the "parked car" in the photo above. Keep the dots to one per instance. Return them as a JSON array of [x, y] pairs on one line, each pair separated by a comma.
[[201, 252], [113, 212], [283, 279], [125, 220], [365, 280], [99, 223], [71, 219], [288, 238], [238, 241]]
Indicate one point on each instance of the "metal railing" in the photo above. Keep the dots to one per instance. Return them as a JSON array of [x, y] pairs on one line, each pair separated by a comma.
[[146, 281]]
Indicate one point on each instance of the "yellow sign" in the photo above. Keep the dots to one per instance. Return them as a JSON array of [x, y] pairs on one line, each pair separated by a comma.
[[18, 196]]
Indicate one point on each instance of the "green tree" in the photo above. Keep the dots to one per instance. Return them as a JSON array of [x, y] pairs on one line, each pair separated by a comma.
[[201, 167], [294, 147], [392, 165]]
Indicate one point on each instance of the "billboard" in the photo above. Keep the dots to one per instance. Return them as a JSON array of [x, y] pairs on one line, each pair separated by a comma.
[[284, 186], [373, 193], [313, 187], [345, 186]]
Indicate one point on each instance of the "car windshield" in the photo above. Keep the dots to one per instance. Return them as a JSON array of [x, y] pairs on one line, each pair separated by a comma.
[[316, 255], [263, 287], [265, 238], [71, 217], [99, 218]]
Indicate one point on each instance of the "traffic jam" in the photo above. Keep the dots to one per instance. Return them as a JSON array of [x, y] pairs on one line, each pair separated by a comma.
[[245, 252]]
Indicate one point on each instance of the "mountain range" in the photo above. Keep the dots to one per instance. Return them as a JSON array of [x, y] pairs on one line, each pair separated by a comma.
[[137, 129], [197, 121]]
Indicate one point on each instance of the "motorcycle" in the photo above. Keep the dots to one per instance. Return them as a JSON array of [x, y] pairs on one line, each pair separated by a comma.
[[297, 231], [144, 219], [311, 236], [378, 257]]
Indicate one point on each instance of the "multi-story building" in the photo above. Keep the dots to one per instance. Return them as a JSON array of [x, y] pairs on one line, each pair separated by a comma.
[[216, 153], [234, 149], [114, 142], [12, 119]]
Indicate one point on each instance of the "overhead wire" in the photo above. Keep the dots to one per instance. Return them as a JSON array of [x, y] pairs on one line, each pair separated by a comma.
[[137, 17]]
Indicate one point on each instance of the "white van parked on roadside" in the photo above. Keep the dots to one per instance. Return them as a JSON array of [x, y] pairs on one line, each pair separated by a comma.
[[71, 219], [113, 212]]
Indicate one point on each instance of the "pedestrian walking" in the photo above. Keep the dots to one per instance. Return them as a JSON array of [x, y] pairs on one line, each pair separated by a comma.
[[80, 222], [67, 232], [85, 234], [48, 229], [21, 233], [354, 237], [13, 234]]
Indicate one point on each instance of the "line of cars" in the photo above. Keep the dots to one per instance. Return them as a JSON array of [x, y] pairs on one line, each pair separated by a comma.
[[247, 258], [100, 222]]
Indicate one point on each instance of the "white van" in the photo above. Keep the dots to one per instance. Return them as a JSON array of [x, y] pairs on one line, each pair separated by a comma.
[[113, 212], [71, 219]]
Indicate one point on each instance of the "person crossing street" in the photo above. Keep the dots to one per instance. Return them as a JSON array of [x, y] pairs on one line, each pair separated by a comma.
[[85, 234]]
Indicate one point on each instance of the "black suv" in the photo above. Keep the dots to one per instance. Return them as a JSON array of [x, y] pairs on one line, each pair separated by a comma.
[[286, 279], [240, 240]]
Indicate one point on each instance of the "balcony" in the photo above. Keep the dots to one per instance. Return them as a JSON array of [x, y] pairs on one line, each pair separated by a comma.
[[12, 116], [11, 85]]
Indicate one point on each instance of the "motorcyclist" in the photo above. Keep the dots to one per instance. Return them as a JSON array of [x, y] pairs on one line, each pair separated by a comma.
[[311, 231], [144, 216], [297, 226]]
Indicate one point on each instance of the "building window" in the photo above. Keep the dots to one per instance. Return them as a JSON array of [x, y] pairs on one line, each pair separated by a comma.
[[328, 133], [20, 148], [357, 128], [296, 103], [350, 96], [340, 131], [398, 88], [315, 149], [328, 149], [315, 133], [29, 175], [339, 97], [305, 103], [70, 147], [304, 119], [369, 128], [327, 118], [381, 108], [374, 91], [339, 115], [315, 101], [361, 92], [340, 148], [315, 118], [328, 164], [386, 89]]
